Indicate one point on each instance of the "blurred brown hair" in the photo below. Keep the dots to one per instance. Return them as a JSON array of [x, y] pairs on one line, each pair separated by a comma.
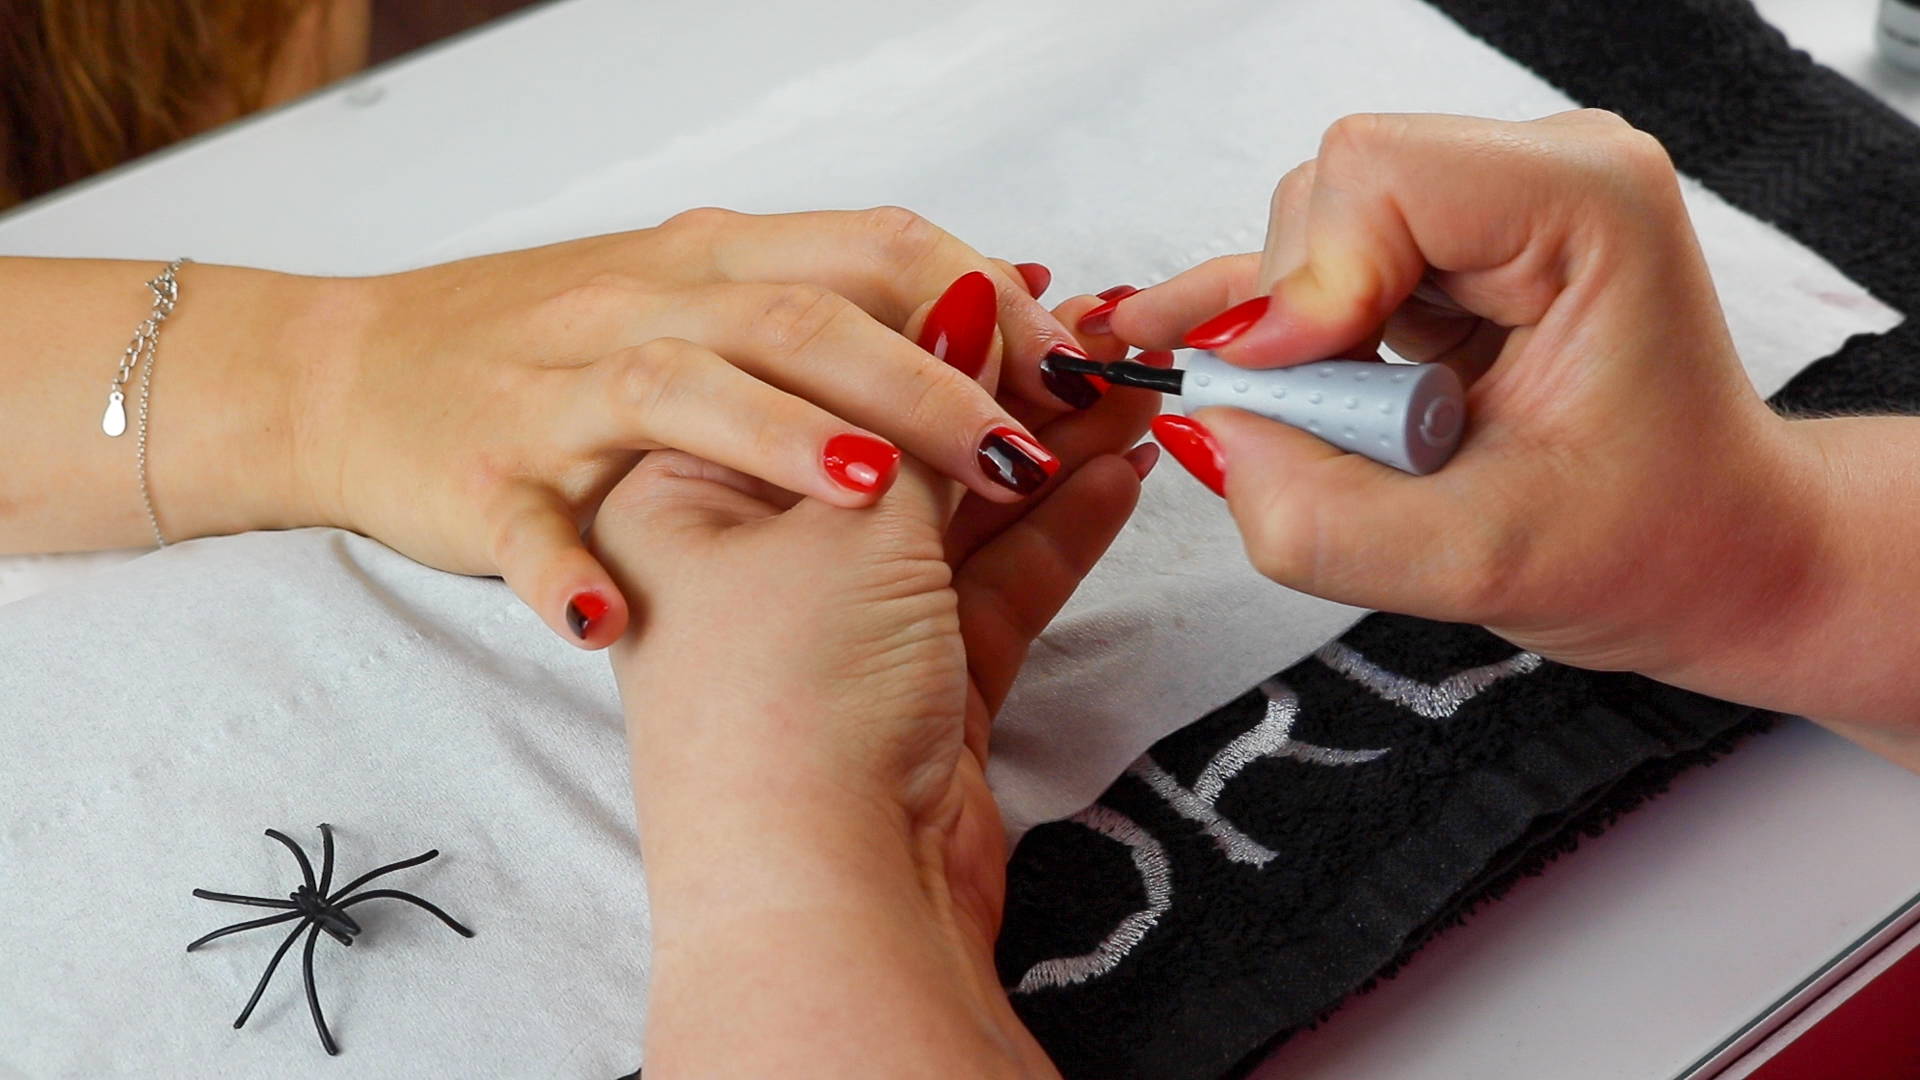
[[88, 84]]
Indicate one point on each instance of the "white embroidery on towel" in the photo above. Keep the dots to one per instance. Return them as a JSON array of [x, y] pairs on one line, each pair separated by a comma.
[[1156, 879], [1271, 737], [1435, 701]]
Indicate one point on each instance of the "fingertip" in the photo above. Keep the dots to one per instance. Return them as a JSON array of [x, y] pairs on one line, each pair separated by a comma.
[[1143, 458], [594, 616], [1015, 461], [1098, 320], [961, 326], [1261, 458], [1302, 319], [1036, 276], [859, 467], [1193, 445]]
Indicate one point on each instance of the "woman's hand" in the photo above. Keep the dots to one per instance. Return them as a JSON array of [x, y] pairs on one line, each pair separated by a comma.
[[1623, 499], [1615, 448], [809, 691], [482, 408]]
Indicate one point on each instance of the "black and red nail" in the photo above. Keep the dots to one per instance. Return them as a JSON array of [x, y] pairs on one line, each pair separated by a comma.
[[1075, 389], [1015, 461], [583, 611]]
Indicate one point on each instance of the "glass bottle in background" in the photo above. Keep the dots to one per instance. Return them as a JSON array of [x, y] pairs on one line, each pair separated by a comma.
[[1899, 33]]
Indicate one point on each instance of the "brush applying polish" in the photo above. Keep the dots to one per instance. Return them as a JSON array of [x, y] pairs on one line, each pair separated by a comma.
[[1409, 416]]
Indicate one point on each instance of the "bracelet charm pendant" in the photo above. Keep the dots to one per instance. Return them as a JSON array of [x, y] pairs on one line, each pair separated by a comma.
[[115, 421]]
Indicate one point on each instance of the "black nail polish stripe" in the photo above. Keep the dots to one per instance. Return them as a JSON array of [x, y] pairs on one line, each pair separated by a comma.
[[1009, 466]]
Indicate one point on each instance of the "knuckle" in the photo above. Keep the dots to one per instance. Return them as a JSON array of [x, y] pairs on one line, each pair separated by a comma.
[[899, 236], [1485, 566], [772, 438], [934, 395], [1616, 160], [1642, 157], [795, 316], [651, 375], [1294, 187], [1359, 135], [699, 221], [591, 302], [1278, 538], [1278, 555], [511, 536], [1604, 119]]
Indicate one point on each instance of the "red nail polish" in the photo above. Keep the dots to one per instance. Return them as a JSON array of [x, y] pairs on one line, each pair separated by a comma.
[[1036, 276], [1015, 461], [583, 611], [860, 462], [1194, 447], [1160, 358], [1099, 320], [1229, 324], [959, 329], [1143, 458]]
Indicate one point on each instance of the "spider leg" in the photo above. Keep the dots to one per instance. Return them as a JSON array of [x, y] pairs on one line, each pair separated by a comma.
[[306, 868], [378, 871], [326, 857], [234, 898], [313, 996], [261, 986], [395, 894], [237, 927]]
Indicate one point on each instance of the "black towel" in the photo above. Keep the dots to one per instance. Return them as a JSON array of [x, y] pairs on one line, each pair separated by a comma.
[[1267, 861]]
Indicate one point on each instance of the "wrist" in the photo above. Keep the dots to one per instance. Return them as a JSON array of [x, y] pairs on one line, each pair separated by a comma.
[[1752, 574], [724, 843], [791, 905], [1773, 607], [1838, 649], [234, 447], [324, 337]]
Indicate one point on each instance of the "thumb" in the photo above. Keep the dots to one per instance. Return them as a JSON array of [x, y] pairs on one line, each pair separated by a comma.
[[537, 549], [1340, 526]]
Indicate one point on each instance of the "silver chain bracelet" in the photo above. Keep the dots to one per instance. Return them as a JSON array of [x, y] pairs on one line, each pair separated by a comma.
[[141, 352]]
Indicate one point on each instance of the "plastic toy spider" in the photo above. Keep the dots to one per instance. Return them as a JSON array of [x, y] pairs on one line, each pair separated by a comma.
[[318, 910]]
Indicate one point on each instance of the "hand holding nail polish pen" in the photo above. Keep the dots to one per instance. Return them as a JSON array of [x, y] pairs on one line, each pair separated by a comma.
[[1409, 416]]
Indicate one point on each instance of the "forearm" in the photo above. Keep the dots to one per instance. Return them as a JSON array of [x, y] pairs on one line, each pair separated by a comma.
[[1841, 643], [224, 441], [797, 933]]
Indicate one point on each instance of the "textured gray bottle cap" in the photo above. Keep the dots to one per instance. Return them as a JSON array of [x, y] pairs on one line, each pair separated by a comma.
[[1409, 416]]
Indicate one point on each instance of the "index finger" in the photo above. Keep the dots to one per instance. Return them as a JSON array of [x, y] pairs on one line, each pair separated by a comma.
[[888, 260]]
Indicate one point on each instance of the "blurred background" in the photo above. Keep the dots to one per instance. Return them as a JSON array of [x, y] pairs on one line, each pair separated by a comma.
[[86, 85]]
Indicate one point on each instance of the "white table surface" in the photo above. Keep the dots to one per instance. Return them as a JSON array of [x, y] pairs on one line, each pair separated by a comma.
[[1629, 959]]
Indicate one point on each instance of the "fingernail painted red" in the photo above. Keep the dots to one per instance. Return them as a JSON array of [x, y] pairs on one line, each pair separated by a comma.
[[1193, 447], [860, 462], [1098, 320], [1037, 277], [959, 329], [1160, 358], [584, 610], [1118, 292], [1229, 324], [1143, 458], [1015, 461]]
